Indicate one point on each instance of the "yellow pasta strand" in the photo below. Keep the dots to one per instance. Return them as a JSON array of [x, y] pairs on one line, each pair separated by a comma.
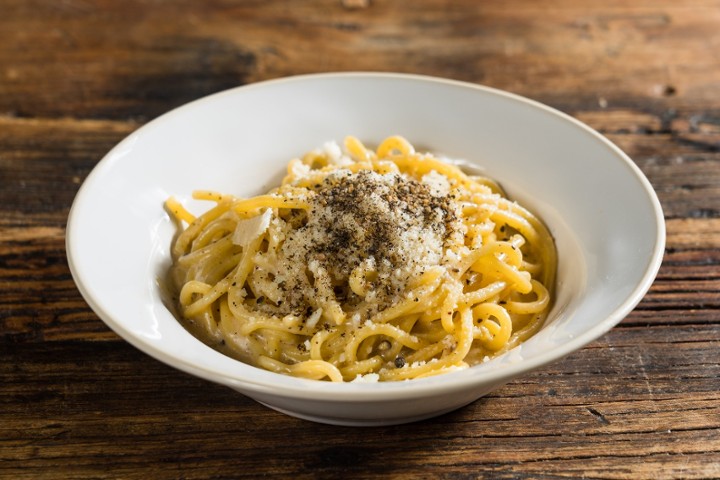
[[243, 285]]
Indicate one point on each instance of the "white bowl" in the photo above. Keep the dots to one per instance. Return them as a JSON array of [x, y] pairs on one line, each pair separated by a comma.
[[605, 217]]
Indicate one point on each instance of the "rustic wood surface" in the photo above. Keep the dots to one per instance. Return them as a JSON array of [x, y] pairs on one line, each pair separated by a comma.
[[76, 76]]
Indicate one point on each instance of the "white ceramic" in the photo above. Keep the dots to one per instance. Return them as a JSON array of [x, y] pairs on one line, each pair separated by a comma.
[[605, 217]]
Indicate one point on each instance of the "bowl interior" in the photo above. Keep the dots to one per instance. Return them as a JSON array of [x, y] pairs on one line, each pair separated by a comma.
[[601, 210]]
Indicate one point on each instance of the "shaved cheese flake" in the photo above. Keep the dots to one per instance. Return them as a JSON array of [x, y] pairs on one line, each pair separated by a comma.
[[367, 378], [437, 182], [335, 155], [249, 229], [299, 169], [313, 319]]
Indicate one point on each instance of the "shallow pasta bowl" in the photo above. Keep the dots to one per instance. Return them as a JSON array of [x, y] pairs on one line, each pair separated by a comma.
[[601, 210]]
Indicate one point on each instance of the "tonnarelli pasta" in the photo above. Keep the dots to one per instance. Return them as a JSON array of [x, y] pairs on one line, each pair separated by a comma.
[[364, 265]]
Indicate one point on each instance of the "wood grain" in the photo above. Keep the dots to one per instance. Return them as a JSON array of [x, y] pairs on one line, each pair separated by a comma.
[[77, 76]]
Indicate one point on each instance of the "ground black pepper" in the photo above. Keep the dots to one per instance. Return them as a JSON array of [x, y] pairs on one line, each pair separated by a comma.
[[392, 221]]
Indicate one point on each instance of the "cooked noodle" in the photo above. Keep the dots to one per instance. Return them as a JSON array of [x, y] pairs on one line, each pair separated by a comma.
[[364, 265]]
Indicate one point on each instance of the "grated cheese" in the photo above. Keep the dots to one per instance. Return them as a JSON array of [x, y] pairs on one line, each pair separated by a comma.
[[249, 229], [392, 226]]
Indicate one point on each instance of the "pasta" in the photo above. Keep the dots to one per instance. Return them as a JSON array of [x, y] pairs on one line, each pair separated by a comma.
[[363, 265]]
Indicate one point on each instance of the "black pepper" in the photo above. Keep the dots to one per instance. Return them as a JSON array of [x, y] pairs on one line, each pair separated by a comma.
[[390, 222]]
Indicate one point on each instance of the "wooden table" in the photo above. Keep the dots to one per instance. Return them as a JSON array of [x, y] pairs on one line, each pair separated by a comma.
[[77, 76]]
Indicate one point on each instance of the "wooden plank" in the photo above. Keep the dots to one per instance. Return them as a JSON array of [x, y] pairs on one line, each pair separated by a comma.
[[665, 53], [76, 401], [72, 414], [44, 161]]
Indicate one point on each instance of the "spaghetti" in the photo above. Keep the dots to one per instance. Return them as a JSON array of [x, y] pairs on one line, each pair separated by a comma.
[[364, 265]]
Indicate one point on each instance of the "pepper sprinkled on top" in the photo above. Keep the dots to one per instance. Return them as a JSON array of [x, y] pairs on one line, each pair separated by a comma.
[[391, 223]]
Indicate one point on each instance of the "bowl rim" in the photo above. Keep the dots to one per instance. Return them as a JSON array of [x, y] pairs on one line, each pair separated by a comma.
[[278, 384]]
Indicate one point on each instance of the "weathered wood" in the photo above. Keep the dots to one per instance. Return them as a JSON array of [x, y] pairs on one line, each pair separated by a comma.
[[77, 76], [126, 60], [76, 418]]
